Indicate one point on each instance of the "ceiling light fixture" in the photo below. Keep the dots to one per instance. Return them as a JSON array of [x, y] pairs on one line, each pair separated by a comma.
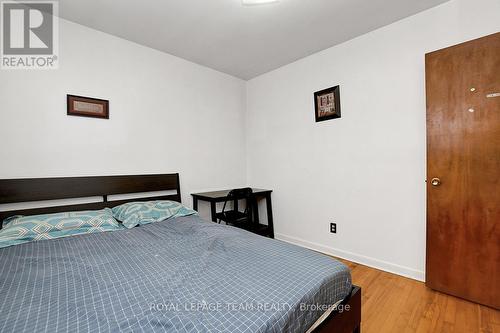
[[257, 2]]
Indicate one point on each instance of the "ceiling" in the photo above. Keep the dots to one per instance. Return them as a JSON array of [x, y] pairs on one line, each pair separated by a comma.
[[243, 41]]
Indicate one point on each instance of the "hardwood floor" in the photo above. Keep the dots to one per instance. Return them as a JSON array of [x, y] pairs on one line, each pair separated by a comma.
[[392, 303]]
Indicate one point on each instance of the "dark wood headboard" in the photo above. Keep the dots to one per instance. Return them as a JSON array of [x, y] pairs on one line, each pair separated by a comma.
[[40, 189]]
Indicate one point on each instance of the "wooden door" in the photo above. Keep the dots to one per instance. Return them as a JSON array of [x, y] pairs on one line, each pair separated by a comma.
[[463, 167]]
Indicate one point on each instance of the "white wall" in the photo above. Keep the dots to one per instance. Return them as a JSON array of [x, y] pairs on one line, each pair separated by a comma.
[[365, 171], [167, 115]]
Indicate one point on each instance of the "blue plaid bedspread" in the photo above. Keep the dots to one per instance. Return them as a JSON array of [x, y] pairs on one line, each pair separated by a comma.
[[180, 275]]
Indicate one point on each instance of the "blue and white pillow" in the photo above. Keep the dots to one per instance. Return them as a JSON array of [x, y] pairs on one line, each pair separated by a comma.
[[23, 229], [132, 214]]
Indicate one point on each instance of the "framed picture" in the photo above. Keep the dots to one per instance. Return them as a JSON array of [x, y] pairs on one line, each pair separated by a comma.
[[327, 104], [87, 107]]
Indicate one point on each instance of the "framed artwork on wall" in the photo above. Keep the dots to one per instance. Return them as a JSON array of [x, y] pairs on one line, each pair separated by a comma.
[[87, 107], [327, 104]]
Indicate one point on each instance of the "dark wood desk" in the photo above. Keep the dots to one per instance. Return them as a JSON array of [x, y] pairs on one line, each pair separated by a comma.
[[221, 196]]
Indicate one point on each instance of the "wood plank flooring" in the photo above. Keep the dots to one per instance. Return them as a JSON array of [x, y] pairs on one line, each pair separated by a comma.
[[392, 303]]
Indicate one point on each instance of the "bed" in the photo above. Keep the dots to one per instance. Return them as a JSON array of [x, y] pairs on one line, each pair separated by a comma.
[[184, 274]]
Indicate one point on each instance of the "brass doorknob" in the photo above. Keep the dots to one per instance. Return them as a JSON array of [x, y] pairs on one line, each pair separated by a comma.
[[436, 181]]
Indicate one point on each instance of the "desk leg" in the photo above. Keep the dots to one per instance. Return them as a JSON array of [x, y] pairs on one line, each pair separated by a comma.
[[255, 205], [270, 215], [212, 210], [195, 203]]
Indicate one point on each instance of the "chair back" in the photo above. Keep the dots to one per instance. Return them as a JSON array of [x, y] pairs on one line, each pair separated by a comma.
[[240, 193], [245, 193]]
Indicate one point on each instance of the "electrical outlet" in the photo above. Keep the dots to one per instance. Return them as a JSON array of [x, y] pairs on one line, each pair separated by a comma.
[[333, 228]]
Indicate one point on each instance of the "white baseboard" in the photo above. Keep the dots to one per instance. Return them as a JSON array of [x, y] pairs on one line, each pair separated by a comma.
[[360, 259]]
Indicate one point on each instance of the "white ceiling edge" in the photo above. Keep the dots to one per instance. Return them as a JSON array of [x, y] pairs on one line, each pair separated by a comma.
[[155, 50], [238, 66], [345, 41]]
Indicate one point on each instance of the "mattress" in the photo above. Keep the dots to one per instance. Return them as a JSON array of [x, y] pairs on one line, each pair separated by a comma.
[[179, 275]]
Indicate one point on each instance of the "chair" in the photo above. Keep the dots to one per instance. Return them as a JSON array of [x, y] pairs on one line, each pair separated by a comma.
[[234, 216]]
